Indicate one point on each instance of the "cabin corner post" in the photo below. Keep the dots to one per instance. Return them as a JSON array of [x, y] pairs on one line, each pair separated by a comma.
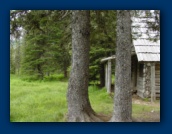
[[106, 74], [109, 79], [153, 93]]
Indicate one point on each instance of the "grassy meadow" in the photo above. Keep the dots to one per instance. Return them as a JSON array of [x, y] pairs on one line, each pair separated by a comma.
[[45, 101]]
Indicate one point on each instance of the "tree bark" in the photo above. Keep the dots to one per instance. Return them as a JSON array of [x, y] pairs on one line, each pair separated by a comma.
[[79, 108], [123, 97]]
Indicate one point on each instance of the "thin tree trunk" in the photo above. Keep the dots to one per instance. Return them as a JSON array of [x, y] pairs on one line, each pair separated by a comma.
[[40, 73], [65, 70], [102, 75], [79, 108], [65, 73], [123, 97]]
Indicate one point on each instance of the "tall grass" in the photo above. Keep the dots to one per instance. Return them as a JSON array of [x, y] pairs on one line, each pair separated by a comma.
[[100, 100], [37, 101], [45, 101]]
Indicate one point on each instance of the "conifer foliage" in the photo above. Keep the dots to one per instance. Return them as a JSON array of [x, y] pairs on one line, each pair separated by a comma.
[[46, 46], [46, 41]]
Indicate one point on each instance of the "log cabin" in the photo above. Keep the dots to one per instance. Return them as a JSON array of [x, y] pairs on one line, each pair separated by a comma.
[[145, 68], [145, 62]]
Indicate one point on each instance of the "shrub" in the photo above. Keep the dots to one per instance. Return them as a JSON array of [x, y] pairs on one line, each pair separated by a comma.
[[59, 77]]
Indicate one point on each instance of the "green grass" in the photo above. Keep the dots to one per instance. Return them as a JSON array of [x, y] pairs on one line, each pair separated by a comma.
[[45, 101], [37, 101], [100, 100]]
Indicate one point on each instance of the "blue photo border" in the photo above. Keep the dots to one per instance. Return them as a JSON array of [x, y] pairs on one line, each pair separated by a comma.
[[166, 47]]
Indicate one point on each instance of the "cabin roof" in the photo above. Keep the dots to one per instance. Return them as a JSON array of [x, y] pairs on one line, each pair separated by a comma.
[[146, 50]]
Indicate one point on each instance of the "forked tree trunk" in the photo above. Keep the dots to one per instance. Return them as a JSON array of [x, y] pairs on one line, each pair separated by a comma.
[[123, 96], [79, 108]]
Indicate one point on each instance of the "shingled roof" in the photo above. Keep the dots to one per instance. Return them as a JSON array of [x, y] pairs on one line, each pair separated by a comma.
[[145, 49]]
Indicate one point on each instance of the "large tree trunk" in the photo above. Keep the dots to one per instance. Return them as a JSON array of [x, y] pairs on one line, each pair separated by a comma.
[[123, 96], [79, 108]]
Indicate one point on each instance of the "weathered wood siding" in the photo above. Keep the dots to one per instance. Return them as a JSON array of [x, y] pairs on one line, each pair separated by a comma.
[[144, 80]]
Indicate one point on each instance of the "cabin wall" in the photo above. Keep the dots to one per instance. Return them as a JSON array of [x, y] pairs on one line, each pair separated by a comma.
[[144, 80]]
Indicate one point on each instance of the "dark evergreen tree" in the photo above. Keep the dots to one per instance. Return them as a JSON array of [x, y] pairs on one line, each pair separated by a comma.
[[12, 62], [103, 41], [47, 41]]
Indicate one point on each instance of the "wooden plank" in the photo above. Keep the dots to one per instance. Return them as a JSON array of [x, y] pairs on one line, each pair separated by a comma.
[[157, 88], [157, 67], [157, 80], [108, 58], [157, 71], [157, 75], [158, 92], [158, 95]]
